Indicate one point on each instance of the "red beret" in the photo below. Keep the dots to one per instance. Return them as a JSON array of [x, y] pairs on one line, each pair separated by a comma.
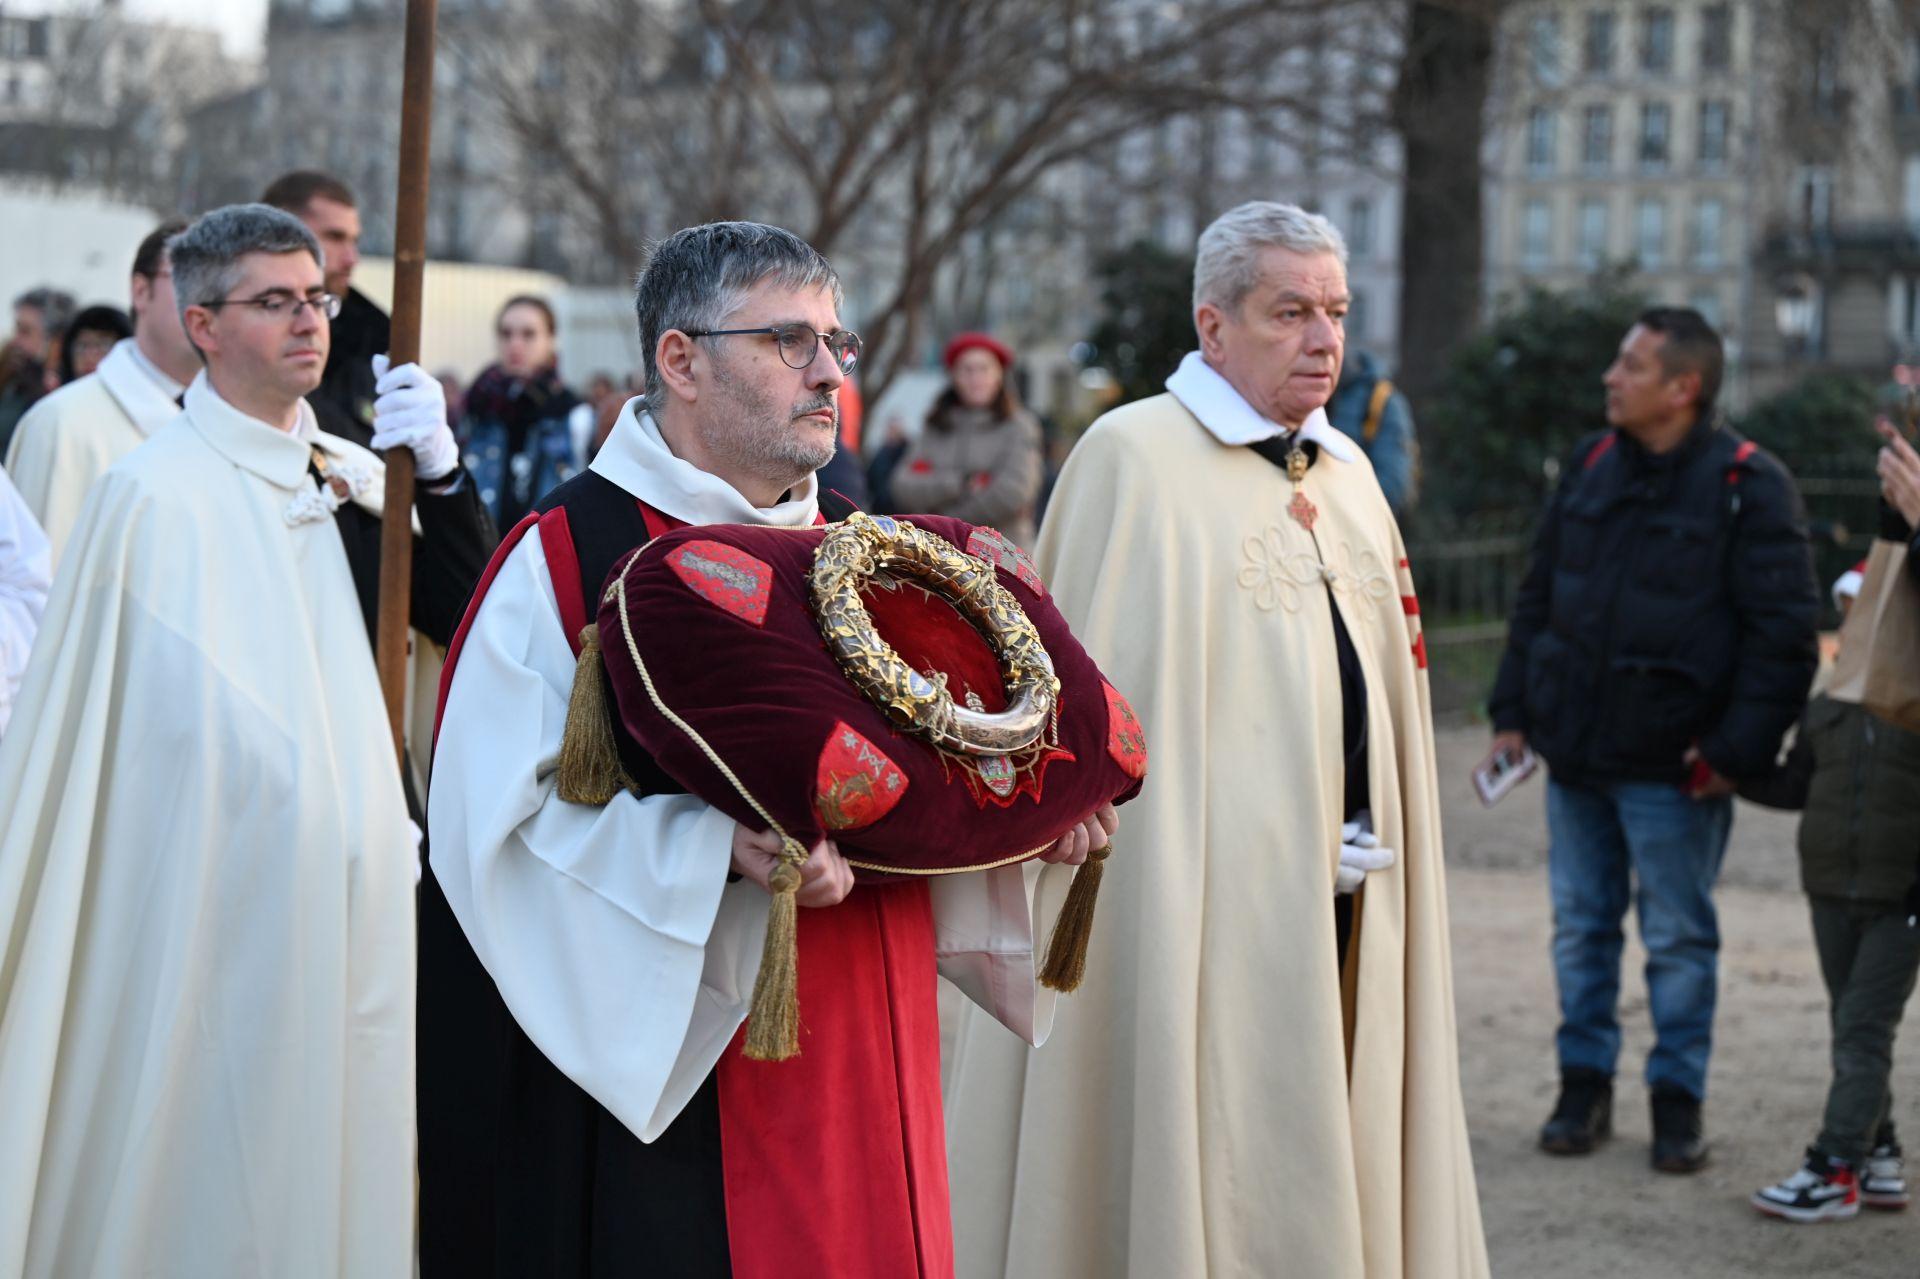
[[979, 342]]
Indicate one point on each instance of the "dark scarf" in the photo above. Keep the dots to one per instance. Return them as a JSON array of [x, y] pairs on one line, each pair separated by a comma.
[[516, 402]]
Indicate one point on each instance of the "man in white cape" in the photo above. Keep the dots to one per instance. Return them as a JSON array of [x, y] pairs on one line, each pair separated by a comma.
[[206, 905], [68, 439], [585, 968], [26, 572], [1210, 1103]]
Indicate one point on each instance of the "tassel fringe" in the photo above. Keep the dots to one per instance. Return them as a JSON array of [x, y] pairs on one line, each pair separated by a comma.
[[1066, 965], [773, 1024], [590, 771]]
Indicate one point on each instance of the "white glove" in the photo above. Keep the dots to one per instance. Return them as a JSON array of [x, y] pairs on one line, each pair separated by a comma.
[[412, 413], [1360, 852]]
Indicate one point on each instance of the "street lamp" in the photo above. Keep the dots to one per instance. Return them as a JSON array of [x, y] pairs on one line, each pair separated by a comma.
[[1796, 312]]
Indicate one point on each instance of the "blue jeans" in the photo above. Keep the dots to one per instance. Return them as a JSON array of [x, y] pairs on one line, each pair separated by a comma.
[[1604, 838]]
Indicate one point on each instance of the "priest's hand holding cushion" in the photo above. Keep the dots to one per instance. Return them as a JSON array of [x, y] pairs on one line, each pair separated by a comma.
[[411, 413], [1096, 832], [825, 877]]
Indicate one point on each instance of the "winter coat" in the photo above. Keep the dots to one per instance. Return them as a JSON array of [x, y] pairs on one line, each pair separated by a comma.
[[1670, 601], [522, 439], [975, 467]]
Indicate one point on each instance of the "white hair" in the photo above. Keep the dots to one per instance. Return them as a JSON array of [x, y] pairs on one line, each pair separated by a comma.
[[1227, 266]]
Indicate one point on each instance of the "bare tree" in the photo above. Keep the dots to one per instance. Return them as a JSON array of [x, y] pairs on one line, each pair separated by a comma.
[[891, 134]]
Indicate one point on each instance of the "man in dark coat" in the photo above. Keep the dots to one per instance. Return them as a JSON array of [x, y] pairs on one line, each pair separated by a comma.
[[1661, 646]]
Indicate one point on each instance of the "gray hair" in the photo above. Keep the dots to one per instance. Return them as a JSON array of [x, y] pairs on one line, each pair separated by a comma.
[[1227, 266], [56, 307], [206, 256], [699, 277]]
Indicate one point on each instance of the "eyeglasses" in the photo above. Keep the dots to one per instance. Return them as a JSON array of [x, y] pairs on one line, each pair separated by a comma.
[[278, 305], [798, 342]]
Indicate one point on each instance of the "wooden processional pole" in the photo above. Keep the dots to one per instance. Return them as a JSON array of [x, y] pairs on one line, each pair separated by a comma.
[[409, 270]]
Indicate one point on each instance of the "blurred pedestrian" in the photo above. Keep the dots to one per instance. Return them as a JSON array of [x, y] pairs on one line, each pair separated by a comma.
[[68, 439], [39, 317], [1370, 410], [978, 457], [1660, 648], [525, 431], [93, 332], [1854, 777]]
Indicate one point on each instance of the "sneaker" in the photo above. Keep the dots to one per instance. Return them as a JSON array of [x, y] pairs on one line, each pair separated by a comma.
[[1583, 1117], [1677, 1142], [1883, 1181], [1823, 1189]]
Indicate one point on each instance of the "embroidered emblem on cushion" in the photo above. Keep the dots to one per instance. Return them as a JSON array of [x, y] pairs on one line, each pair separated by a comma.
[[726, 576], [855, 784], [993, 546], [1126, 740]]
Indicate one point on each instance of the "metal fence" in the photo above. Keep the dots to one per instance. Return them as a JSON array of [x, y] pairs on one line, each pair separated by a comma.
[[1468, 574]]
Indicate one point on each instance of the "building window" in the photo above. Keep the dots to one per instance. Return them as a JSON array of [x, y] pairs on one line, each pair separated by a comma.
[[1540, 138], [1707, 218], [1356, 325], [1655, 131], [1707, 303], [1543, 47], [1593, 234], [1599, 43], [1815, 200], [1650, 233], [1656, 41], [1359, 227], [1903, 310], [1715, 124], [1910, 193], [1823, 75], [1716, 37], [1536, 231], [1596, 142]]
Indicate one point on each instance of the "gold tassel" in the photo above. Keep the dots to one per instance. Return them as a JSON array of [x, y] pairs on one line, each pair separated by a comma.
[[590, 771], [1066, 965], [773, 1025]]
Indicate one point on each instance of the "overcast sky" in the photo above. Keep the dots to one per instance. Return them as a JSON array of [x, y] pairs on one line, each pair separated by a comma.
[[241, 23]]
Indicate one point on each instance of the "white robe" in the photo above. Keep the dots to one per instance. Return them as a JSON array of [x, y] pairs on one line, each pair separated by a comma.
[[611, 932], [68, 439], [26, 571], [206, 906]]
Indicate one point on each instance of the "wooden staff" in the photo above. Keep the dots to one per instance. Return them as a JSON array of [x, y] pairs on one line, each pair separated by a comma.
[[409, 271]]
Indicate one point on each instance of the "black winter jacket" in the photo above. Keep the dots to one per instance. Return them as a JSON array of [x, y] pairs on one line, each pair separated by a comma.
[[1670, 600]]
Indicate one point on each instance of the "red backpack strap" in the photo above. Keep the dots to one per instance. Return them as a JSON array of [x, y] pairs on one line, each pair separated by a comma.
[[1601, 448], [1740, 455], [563, 569]]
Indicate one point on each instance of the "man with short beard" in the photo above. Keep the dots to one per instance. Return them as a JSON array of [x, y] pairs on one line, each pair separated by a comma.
[[585, 969]]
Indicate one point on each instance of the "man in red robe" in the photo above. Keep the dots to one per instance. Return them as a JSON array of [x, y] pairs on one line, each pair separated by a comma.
[[585, 969]]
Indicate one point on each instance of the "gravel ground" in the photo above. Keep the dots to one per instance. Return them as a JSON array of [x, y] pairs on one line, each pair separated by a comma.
[[1608, 1215]]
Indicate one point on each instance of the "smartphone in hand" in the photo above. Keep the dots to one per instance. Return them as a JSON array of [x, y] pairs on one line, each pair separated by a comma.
[[1500, 774]]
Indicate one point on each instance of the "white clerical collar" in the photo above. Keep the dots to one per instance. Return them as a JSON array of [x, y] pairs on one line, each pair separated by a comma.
[[1231, 420], [636, 457], [147, 396], [168, 387], [277, 456]]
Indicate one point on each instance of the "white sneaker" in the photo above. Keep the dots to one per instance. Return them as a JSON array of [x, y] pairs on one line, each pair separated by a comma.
[[1883, 1182], [1821, 1189]]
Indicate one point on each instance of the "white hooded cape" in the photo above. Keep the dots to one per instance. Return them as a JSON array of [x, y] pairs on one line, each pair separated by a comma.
[[206, 907]]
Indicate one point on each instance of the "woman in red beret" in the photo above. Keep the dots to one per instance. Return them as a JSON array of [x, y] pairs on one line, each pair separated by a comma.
[[979, 458]]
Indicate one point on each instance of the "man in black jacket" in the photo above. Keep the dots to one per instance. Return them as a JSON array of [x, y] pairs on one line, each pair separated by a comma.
[[1661, 646]]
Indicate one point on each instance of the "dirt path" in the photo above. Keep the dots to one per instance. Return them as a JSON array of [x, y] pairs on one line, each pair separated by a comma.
[[1609, 1216]]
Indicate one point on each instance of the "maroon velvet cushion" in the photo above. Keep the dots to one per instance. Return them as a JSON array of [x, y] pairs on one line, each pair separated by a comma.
[[721, 618]]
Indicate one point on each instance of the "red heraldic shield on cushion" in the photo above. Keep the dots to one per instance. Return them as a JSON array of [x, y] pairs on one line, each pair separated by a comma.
[[720, 618]]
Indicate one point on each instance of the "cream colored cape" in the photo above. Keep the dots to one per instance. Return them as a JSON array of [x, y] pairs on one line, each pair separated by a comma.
[[1192, 1114], [206, 890], [68, 439]]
